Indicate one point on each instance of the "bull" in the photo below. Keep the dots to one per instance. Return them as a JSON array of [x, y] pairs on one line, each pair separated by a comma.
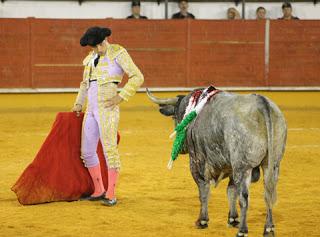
[[234, 136]]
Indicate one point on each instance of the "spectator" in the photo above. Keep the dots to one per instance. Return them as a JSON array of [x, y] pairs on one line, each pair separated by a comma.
[[183, 13], [287, 12], [261, 13], [233, 14], [135, 9]]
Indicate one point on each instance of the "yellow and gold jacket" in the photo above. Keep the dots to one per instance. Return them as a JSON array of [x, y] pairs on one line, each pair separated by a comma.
[[110, 68]]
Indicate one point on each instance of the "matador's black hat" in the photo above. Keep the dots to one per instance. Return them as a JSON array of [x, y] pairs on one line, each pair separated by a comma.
[[94, 35]]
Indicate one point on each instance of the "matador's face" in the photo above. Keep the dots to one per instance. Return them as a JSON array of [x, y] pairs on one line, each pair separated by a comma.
[[101, 48]]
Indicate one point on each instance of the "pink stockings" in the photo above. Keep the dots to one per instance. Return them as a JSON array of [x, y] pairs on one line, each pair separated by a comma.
[[113, 175], [99, 189], [95, 173]]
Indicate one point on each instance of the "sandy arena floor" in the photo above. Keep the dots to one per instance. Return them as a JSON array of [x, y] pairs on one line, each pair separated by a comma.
[[152, 200]]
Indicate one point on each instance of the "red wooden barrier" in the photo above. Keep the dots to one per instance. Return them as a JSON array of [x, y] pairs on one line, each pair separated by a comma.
[[45, 53], [295, 53], [15, 66], [227, 53]]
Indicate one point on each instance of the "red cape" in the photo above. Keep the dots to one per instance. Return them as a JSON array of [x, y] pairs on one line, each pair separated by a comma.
[[57, 173]]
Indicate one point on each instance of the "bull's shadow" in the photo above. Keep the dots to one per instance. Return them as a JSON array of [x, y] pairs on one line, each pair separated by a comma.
[[232, 137]]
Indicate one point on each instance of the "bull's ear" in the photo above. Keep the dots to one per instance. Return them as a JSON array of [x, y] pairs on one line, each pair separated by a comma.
[[167, 110]]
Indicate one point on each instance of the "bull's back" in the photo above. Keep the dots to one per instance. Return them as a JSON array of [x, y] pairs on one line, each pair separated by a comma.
[[229, 126]]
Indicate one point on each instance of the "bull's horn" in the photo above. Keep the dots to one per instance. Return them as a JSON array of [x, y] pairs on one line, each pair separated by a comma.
[[160, 101]]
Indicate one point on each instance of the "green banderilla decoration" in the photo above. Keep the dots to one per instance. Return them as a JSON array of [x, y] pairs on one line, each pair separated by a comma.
[[180, 132]]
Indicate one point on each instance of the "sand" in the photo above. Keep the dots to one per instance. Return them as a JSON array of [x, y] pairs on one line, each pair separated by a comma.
[[152, 200]]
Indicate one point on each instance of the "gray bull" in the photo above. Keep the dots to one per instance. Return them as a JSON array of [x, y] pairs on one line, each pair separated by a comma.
[[232, 137]]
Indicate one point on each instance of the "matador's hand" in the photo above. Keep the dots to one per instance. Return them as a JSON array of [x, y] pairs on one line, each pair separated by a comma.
[[113, 101], [77, 108]]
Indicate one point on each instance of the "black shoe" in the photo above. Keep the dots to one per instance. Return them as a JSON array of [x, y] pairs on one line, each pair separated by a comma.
[[93, 198], [109, 202]]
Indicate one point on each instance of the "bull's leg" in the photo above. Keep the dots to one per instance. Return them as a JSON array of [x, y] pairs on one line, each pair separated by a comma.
[[269, 226], [269, 197], [243, 189], [232, 199], [204, 189]]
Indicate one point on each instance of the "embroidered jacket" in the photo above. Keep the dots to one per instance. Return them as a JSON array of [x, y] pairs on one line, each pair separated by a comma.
[[110, 68]]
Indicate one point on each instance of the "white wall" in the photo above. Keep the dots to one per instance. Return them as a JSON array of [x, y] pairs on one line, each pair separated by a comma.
[[99, 9]]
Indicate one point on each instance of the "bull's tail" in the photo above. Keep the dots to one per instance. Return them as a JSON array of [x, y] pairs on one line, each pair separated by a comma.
[[270, 180]]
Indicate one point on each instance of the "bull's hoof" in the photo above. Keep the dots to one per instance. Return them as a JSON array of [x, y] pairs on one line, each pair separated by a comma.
[[242, 234], [233, 222], [269, 232], [202, 224]]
